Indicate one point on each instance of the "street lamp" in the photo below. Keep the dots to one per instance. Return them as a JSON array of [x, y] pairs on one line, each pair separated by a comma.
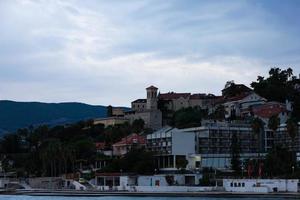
[[293, 168], [243, 171]]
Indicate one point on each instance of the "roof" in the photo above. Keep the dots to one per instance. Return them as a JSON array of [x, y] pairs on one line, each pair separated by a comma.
[[140, 101], [100, 145], [203, 96], [131, 139], [238, 97], [108, 174], [173, 95], [269, 109], [239, 87], [152, 87]]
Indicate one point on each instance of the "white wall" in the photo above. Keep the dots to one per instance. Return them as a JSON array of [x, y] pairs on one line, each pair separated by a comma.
[[170, 189], [261, 185], [183, 143], [150, 180]]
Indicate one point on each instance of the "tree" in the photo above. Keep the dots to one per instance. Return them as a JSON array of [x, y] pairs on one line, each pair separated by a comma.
[[235, 154], [136, 161], [219, 113], [138, 125], [276, 87], [273, 123], [181, 162], [188, 117], [257, 126], [280, 162], [292, 128]]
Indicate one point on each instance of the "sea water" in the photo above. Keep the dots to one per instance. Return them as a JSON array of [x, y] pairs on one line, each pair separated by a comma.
[[12, 197]]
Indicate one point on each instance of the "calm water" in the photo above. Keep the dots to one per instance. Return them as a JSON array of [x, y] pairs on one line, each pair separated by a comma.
[[124, 198]]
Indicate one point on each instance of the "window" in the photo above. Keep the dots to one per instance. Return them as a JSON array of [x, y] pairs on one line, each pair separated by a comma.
[[239, 184], [235, 184], [231, 184], [243, 184]]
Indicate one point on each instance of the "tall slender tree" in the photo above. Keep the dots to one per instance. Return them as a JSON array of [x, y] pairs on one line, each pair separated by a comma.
[[235, 154]]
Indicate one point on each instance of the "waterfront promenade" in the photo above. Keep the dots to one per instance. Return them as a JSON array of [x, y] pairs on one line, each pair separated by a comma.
[[72, 193]]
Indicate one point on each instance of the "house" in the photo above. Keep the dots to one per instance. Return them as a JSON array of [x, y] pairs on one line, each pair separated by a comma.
[[118, 112], [127, 143], [114, 181], [175, 101], [110, 121], [241, 105], [139, 105], [162, 180], [204, 101], [269, 109], [231, 89]]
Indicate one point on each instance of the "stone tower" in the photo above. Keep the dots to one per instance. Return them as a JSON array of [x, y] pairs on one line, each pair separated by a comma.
[[151, 97]]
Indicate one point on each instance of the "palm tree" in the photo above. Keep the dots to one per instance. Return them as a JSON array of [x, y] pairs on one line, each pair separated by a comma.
[[257, 126], [273, 123], [292, 129]]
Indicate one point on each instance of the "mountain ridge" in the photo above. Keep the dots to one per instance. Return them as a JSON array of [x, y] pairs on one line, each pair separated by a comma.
[[14, 114]]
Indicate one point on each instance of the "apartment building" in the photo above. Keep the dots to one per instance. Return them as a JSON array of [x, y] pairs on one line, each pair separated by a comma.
[[172, 145], [208, 145]]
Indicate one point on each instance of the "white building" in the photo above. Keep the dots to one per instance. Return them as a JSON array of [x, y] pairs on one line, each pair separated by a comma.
[[173, 145], [260, 185], [240, 106]]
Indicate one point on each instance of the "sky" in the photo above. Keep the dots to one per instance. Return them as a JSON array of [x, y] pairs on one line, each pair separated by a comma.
[[107, 52]]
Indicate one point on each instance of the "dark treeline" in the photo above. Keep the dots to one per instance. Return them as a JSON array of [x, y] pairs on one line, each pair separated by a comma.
[[44, 151]]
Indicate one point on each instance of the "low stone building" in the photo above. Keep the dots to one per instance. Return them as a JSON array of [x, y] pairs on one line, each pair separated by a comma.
[[127, 143]]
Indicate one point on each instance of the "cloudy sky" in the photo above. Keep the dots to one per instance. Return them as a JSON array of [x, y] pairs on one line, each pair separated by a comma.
[[108, 52]]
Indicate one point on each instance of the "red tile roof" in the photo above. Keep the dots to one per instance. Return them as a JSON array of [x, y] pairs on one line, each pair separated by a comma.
[[173, 95], [100, 145], [131, 139], [269, 109]]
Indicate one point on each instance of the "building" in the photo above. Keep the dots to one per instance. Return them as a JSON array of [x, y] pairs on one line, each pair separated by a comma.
[[175, 101], [282, 138], [231, 89], [118, 112], [241, 106], [139, 105], [147, 110], [110, 121], [269, 109], [127, 143], [102, 148], [260, 185], [205, 146], [172, 145]]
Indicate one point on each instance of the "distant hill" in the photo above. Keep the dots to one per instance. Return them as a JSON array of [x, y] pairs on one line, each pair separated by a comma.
[[14, 115]]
